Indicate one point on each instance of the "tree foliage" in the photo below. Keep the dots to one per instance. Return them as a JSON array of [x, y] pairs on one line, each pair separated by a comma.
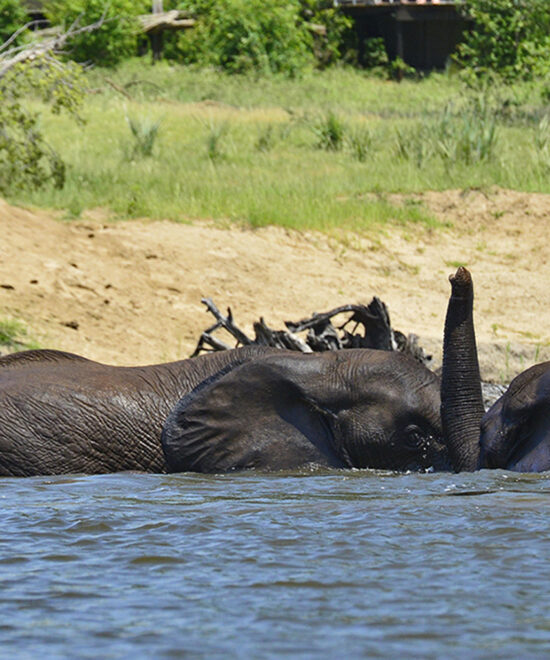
[[26, 159], [12, 18], [510, 38], [338, 38], [117, 37], [248, 35], [32, 70]]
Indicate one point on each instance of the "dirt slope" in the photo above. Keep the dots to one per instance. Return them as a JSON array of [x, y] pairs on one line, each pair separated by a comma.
[[129, 292]]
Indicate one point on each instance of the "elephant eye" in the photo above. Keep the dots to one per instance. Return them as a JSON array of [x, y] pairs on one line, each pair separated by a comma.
[[414, 438]]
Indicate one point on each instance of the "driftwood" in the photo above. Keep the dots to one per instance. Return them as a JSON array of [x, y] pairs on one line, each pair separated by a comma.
[[371, 328]]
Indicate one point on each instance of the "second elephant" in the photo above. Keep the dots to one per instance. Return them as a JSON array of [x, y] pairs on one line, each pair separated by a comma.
[[514, 434]]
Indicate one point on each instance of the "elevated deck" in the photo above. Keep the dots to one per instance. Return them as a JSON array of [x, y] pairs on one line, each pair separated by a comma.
[[423, 33]]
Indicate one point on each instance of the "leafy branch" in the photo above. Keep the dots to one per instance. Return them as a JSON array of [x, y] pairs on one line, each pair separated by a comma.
[[34, 68]]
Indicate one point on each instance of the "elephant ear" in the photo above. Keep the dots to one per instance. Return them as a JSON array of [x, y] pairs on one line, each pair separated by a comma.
[[256, 416], [515, 431]]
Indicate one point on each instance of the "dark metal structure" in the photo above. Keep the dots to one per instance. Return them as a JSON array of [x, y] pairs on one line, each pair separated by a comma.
[[423, 33], [35, 11]]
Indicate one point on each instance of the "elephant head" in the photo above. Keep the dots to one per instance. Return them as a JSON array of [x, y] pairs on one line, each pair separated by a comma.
[[354, 408], [515, 433]]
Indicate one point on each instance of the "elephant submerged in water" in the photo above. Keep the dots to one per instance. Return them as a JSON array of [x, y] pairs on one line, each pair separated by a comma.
[[271, 409], [515, 432], [250, 407]]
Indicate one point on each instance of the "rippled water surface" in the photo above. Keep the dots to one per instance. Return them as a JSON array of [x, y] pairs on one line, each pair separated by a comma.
[[326, 565]]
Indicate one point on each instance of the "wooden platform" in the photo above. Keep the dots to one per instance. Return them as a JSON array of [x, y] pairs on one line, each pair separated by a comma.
[[423, 33]]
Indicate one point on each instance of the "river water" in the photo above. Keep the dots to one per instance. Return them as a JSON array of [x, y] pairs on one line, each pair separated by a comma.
[[327, 565]]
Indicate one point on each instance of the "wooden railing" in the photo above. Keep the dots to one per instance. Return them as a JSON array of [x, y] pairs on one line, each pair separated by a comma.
[[372, 3]]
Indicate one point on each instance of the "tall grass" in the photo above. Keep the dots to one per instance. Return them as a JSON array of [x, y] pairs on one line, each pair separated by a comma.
[[465, 135], [244, 150], [144, 132], [330, 132]]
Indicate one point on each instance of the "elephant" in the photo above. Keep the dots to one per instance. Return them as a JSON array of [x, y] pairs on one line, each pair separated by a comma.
[[249, 407], [62, 413], [272, 409], [514, 434]]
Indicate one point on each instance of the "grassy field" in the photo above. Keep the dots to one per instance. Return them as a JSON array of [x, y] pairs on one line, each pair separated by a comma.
[[318, 152]]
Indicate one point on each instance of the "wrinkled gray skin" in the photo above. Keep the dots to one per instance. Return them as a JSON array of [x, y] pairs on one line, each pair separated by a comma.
[[353, 408], [270, 409], [250, 407], [61, 413], [514, 434], [461, 396]]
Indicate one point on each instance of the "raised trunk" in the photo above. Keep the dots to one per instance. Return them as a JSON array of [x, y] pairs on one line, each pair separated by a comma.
[[461, 398]]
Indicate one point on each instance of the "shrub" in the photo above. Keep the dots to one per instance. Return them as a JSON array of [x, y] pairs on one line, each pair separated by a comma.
[[469, 136], [399, 69], [248, 35], [115, 40], [338, 38], [509, 37], [266, 138], [216, 134], [14, 335], [415, 144], [542, 143], [375, 55], [360, 141], [26, 159], [12, 17]]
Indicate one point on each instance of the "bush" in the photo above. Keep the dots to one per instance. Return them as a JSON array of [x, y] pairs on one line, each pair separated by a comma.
[[26, 159], [467, 137], [12, 17], [248, 35], [361, 141], [339, 37], [509, 37], [375, 55], [115, 40], [145, 133]]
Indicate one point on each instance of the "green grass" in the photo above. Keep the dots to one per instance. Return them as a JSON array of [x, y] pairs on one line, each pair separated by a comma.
[[208, 145], [14, 336]]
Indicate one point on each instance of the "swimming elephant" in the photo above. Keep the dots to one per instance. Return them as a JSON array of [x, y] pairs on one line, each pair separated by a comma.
[[514, 434], [248, 407], [61, 413], [269, 409]]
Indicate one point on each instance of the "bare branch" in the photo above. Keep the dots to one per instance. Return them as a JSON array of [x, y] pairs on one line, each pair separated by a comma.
[[322, 335], [14, 36], [226, 322], [45, 46]]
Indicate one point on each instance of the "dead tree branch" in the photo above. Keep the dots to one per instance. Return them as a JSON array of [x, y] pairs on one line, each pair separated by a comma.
[[42, 46], [208, 342], [371, 329]]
